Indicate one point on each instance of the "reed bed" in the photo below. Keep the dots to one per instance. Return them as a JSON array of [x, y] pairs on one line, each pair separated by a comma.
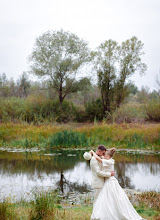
[[140, 136]]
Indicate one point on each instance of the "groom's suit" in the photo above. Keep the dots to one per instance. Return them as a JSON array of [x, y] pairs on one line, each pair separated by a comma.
[[98, 176]]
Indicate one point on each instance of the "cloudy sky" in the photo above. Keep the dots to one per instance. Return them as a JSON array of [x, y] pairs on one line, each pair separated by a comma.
[[22, 21]]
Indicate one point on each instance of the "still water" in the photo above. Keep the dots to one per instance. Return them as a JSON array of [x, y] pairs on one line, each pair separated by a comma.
[[22, 172]]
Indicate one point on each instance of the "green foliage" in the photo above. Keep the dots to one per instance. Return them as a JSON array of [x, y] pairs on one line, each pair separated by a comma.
[[114, 64], [94, 109], [43, 203], [11, 109], [147, 212], [58, 55], [80, 114], [129, 113], [41, 109], [3, 210], [23, 85], [69, 139], [106, 58], [153, 111], [35, 109], [136, 141]]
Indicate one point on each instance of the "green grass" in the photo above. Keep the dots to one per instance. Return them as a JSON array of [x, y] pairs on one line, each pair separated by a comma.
[[147, 212], [138, 136], [3, 210], [69, 138], [46, 205], [30, 212], [44, 202]]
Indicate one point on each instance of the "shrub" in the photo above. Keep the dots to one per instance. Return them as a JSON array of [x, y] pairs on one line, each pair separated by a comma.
[[40, 109], [11, 109], [153, 111], [80, 114], [129, 113], [94, 109]]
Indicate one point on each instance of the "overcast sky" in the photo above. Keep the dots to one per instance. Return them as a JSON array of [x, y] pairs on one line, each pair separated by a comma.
[[22, 21]]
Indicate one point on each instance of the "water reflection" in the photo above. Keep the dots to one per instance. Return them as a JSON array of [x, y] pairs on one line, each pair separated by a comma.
[[67, 171]]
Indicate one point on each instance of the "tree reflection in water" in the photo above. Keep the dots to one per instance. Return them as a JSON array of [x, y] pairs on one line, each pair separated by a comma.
[[68, 171], [123, 179]]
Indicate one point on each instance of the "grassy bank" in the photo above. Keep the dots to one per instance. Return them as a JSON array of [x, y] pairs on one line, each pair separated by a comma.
[[47, 205], [140, 136]]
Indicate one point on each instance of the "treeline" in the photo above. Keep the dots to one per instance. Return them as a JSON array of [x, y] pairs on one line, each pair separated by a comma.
[[61, 96], [27, 101]]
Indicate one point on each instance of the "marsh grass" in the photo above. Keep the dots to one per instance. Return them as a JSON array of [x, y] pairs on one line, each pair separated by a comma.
[[143, 136], [69, 138], [44, 204], [136, 141], [150, 199], [3, 210]]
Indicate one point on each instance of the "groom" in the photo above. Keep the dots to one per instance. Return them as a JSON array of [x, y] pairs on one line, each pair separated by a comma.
[[98, 176]]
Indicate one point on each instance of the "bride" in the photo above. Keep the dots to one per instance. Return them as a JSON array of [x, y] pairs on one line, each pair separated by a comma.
[[112, 202]]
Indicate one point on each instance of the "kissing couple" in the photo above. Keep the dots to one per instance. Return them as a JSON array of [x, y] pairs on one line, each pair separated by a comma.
[[110, 200]]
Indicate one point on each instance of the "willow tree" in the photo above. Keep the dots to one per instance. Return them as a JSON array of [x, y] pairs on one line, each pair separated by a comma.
[[59, 55]]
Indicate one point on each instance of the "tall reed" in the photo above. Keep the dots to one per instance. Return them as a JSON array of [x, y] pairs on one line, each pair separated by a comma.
[[69, 138], [3, 210], [43, 204]]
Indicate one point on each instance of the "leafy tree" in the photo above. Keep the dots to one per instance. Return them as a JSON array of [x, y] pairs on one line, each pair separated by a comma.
[[94, 110], [82, 88], [23, 84], [129, 62], [114, 65], [4, 87], [132, 88], [143, 95], [58, 55], [106, 58], [158, 83]]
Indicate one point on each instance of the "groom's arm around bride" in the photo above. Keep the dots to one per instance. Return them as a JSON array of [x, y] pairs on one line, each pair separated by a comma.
[[98, 176]]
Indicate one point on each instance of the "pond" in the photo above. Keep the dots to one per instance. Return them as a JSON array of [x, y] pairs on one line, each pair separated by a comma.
[[66, 170]]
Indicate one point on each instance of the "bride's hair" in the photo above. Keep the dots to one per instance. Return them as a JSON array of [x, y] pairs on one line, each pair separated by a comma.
[[111, 151]]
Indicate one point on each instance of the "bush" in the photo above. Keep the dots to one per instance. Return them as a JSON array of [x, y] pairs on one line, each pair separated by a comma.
[[153, 111], [129, 113], [94, 109], [11, 109], [35, 109], [40, 109], [80, 114]]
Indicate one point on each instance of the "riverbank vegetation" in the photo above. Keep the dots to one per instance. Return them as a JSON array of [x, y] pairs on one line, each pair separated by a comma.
[[136, 136], [49, 205], [60, 94], [31, 110]]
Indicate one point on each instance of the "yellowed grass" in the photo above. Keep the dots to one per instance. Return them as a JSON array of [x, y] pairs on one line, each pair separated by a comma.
[[114, 133]]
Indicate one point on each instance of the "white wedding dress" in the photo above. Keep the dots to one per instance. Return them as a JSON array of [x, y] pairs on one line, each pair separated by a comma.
[[112, 202]]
